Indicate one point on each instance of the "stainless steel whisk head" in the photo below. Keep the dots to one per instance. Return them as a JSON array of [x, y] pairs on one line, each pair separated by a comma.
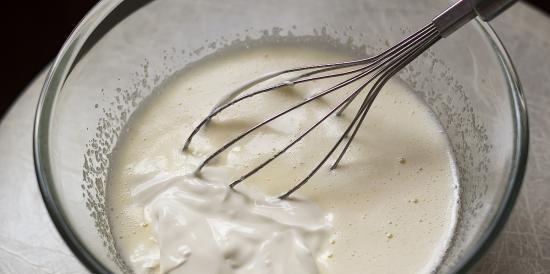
[[376, 70]]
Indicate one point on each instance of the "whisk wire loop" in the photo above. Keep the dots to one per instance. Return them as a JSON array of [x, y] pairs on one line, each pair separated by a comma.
[[378, 69]]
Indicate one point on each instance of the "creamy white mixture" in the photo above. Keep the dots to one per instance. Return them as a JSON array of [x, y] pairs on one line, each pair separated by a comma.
[[390, 207], [201, 226]]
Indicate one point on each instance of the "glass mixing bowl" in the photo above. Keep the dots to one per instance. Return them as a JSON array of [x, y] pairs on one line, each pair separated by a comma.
[[123, 49]]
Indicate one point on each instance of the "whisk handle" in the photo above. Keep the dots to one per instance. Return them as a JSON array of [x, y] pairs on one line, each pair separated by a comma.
[[465, 10], [489, 9]]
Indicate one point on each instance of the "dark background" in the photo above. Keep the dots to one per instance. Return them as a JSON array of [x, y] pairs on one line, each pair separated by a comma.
[[33, 32]]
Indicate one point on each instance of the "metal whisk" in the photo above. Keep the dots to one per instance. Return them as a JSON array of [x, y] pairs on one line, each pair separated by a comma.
[[377, 70]]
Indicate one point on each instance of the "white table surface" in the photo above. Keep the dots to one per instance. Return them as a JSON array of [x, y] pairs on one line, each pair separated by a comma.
[[29, 243]]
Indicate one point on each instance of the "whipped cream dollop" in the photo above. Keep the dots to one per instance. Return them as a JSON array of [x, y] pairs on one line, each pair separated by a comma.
[[203, 226]]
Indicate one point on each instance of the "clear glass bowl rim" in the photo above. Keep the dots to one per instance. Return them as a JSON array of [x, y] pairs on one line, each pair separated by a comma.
[[68, 55]]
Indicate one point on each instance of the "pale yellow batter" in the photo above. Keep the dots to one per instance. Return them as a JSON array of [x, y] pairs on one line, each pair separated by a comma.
[[390, 207]]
